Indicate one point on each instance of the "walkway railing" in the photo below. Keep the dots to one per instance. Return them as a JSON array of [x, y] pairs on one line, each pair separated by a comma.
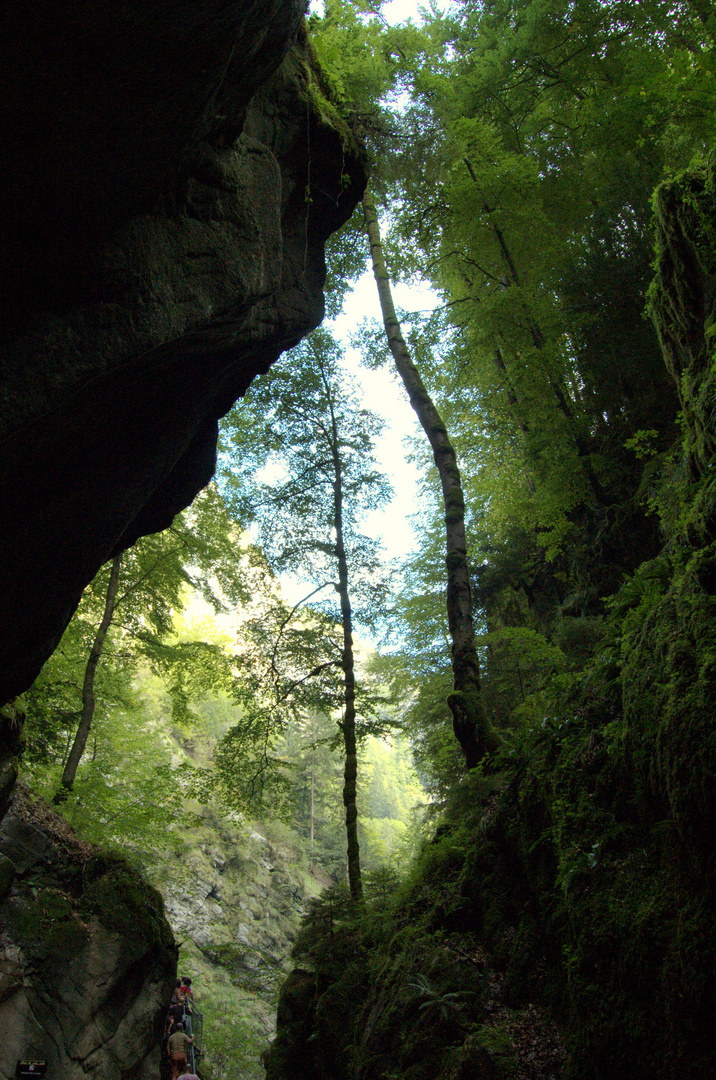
[[194, 1025]]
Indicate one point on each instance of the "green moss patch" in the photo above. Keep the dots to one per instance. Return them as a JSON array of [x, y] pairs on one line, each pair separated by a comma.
[[116, 895], [47, 925]]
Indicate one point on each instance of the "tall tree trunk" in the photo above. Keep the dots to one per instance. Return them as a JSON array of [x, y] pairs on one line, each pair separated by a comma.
[[468, 713], [313, 782], [350, 772], [88, 698]]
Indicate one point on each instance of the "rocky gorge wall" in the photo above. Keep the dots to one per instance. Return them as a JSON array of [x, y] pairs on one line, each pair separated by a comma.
[[235, 895], [168, 183], [87, 957], [562, 922]]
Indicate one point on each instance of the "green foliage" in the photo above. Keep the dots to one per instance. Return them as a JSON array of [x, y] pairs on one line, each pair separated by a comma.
[[300, 450], [445, 1003], [584, 868], [353, 52], [199, 553], [392, 802], [278, 457], [523, 169], [235, 1037], [420, 988], [686, 239]]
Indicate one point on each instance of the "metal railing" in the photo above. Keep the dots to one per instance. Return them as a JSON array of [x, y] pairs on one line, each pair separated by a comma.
[[193, 1023]]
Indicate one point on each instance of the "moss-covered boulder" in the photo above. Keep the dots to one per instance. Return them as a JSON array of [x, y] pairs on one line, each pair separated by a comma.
[[87, 957]]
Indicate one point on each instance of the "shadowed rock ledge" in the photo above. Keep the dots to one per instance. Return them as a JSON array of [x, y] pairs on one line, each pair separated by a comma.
[[168, 185], [87, 958]]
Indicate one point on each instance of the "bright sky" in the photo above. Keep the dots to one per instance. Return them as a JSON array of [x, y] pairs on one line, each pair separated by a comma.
[[397, 11], [394, 11], [384, 394]]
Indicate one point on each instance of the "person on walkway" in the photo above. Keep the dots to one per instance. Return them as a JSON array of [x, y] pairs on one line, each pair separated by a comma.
[[187, 990], [176, 1049], [178, 996], [175, 1018]]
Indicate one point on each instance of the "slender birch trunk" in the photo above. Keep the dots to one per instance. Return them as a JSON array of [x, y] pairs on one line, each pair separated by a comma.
[[350, 772], [469, 719], [88, 698]]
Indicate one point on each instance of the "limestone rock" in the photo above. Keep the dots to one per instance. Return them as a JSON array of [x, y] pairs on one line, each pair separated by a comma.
[[166, 189], [242, 917], [296, 1006], [236, 947], [87, 958]]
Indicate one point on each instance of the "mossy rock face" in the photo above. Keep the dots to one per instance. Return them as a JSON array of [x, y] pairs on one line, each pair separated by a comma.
[[7, 873], [588, 901], [583, 883], [47, 927], [302, 69], [604, 834], [122, 901], [681, 299]]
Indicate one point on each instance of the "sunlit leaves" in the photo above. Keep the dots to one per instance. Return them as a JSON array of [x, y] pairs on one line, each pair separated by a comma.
[[301, 456], [198, 552], [282, 464]]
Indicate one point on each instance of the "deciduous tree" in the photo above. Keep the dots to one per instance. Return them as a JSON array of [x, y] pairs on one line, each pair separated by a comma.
[[319, 480]]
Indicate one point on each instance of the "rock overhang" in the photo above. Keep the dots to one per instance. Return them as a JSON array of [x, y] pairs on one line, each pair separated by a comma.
[[167, 201]]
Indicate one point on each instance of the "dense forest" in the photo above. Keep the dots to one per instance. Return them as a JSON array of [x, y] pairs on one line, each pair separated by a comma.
[[491, 761]]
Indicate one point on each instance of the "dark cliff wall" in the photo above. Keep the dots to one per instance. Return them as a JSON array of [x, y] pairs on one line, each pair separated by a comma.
[[87, 959], [170, 173], [167, 188]]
